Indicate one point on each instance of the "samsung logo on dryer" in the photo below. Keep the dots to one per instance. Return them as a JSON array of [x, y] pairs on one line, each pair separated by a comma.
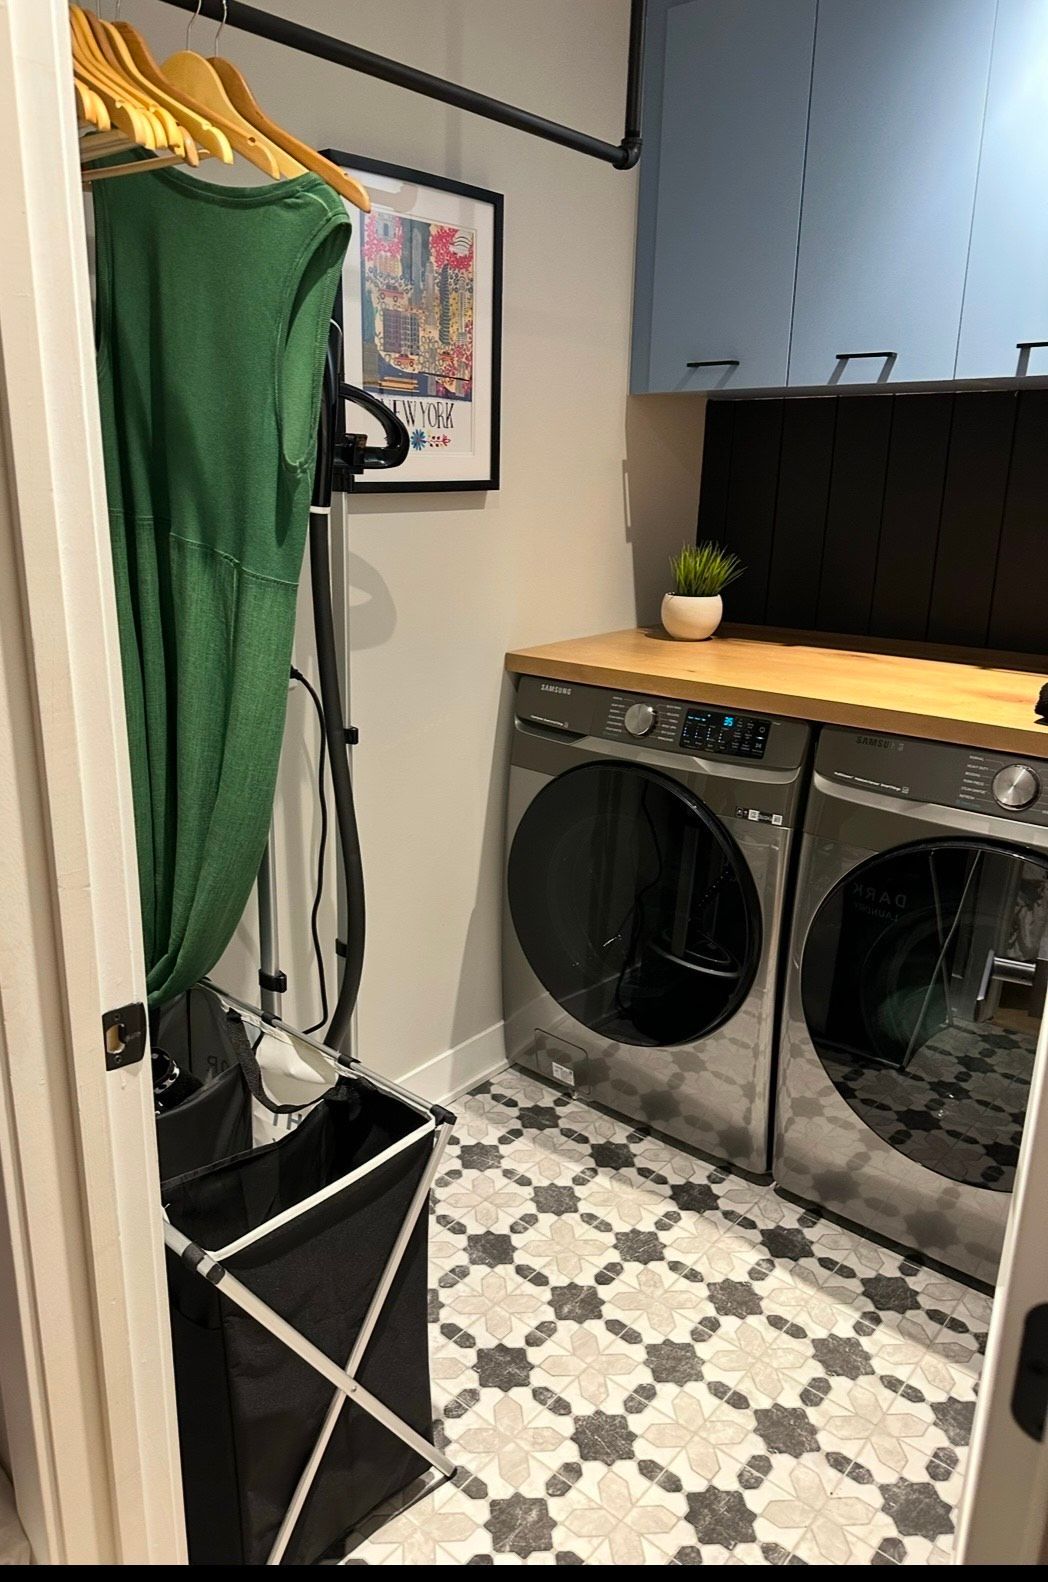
[[551, 686], [886, 743]]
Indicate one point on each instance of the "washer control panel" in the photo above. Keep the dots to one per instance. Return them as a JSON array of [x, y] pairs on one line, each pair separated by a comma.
[[991, 783], [656, 720], [640, 719], [737, 735], [674, 725], [1016, 786], [972, 779], [688, 727]]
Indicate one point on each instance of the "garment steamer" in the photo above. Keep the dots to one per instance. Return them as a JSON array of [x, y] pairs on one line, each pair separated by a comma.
[[342, 457]]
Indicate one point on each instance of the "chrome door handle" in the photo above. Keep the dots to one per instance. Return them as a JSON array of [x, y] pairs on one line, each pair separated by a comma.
[[1005, 969]]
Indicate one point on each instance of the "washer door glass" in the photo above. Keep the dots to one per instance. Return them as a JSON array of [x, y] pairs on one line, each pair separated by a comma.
[[923, 981], [633, 905]]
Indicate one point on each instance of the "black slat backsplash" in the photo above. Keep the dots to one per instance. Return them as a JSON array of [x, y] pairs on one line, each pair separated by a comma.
[[753, 487], [915, 516]]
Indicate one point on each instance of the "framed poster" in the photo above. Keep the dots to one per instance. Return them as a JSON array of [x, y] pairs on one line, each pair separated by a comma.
[[422, 317]]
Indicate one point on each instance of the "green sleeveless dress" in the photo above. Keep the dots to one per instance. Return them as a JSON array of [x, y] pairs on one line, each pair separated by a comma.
[[213, 307]]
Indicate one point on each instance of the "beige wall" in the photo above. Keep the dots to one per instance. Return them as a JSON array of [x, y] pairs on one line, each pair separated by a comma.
[[592, 496]]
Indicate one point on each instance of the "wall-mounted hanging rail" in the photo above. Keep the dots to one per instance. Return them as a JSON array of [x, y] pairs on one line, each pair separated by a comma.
[[623, 156]]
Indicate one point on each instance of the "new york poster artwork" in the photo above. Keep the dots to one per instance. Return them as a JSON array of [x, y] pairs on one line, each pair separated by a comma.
[[417, 306]]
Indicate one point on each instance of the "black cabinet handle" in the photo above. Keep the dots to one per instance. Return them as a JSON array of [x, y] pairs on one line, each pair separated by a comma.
[[1024, 348], [716, 362], [889, 360]]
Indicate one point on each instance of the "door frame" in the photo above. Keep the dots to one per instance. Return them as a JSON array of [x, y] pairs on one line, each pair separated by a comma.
[[85, 1371]]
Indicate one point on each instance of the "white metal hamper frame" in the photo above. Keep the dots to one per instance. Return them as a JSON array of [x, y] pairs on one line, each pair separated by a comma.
[[208, 1264]]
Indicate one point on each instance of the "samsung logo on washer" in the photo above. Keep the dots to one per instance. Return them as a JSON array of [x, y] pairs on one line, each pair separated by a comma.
[[887, 743], [551, 686]]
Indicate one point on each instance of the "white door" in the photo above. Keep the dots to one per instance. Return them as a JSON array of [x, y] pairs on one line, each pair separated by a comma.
[[86, 1389], [1004, 1508]]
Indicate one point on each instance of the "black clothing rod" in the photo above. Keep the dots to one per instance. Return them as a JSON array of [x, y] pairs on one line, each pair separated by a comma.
[[623, 156]]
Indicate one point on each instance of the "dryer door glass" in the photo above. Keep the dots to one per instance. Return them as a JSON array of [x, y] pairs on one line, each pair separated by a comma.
[[923, 982], [633, 905]]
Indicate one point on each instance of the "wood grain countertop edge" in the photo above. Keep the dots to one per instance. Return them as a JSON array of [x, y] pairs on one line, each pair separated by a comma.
[[559, 662]]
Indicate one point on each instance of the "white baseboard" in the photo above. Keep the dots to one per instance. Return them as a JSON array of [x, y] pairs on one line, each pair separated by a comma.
[[446, 1076]]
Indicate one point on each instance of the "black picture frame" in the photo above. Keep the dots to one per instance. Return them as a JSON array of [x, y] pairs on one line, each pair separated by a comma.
[[389, 483]]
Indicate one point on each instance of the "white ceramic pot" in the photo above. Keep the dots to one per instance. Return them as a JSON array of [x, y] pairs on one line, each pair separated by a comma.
[[692, 619]]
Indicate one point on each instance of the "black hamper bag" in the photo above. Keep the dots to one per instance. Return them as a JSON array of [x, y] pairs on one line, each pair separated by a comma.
[[308, 1231]]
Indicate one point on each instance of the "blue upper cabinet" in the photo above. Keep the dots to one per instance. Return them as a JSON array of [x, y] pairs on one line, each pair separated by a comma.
[[720, 204], [1006, 295], [897, 103]]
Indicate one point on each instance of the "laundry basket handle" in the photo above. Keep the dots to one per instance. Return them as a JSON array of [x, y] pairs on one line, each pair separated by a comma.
[[247, 1058]]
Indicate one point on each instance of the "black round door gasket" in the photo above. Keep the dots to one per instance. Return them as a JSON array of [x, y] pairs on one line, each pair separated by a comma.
[[634, 905], [920, 987]]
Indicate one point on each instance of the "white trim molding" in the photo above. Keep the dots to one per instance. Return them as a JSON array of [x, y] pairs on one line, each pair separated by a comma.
[[447, 1076], [85, 1368]]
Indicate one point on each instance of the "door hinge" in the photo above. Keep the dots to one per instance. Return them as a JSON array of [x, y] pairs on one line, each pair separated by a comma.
[[124, 1035], [1030, 1391]]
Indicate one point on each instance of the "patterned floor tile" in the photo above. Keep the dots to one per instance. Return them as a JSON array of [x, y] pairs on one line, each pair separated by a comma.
[[496, 1304], [628, 1199], [485, 1198], [452, 1353], [639, 1358], [446, 1528], [507, 1434], [623, 1516]]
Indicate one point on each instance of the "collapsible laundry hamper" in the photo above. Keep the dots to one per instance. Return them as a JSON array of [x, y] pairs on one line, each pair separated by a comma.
[[297, 1277]]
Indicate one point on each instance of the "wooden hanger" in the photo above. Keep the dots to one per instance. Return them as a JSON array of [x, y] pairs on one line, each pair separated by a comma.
[[90, 57], [192, 117], [244, 101], [84, 112], [115, 52], [89, 107], [246, 105], [97, 145], [122, 112], [199, 84], [196, 79]]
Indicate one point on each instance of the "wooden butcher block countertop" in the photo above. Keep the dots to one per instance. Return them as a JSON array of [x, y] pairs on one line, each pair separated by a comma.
[[972, 703]]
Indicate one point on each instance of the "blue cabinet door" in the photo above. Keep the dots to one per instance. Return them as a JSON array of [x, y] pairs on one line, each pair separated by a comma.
[[731, 159], [1006, 294], [898, 95]]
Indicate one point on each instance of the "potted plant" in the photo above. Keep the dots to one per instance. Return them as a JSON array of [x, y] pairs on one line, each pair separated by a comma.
[[701, 572]]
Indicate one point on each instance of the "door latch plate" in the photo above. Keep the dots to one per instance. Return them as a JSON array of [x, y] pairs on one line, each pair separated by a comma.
[[1030, 1391], [124, 1035]]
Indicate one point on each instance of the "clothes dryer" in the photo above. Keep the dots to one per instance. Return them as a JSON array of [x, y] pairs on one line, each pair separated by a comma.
[[916, 983]]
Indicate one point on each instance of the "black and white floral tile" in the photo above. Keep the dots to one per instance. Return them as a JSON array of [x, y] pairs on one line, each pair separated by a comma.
[[640, 1358]]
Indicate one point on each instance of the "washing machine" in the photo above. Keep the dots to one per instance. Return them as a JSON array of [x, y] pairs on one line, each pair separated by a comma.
[[648, 850], [918, 965]]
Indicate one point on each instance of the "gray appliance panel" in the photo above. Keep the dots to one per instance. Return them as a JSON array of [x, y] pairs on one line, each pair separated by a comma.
[[714, 1094], [746, 737], [736, 794], [905, 768]]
